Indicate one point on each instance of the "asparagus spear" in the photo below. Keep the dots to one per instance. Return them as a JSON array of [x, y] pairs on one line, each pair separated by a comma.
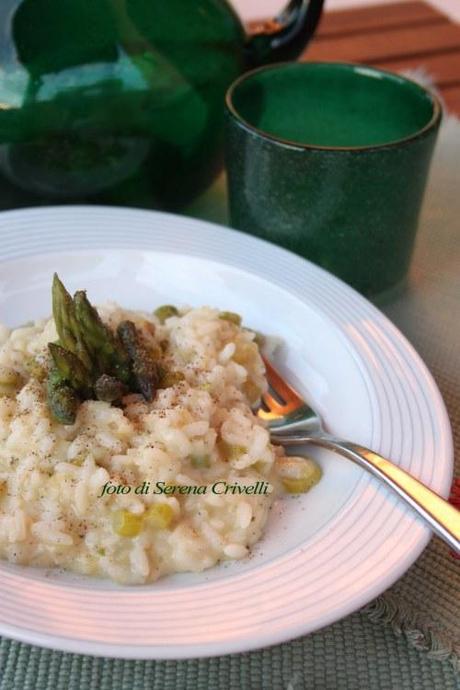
[[67, 326], [110, 357], [109, 389], [62, 399], [145, 371], [68, 382], [63, 313], [71, 370]]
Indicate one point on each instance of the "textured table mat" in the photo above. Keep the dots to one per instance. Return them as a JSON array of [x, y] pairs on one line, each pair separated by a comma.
[[409, 638]]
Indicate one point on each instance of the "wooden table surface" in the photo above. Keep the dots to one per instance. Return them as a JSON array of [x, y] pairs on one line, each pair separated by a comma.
[[396, 37]]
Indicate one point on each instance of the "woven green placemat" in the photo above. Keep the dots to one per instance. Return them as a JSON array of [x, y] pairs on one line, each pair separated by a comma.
[[353, 654], [426, 601]]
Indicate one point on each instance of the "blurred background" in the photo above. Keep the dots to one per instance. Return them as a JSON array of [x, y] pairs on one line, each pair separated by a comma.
[[255, 9], [398, 36]]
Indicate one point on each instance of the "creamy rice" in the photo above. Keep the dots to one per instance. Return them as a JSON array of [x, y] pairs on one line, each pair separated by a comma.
[[52, 475]]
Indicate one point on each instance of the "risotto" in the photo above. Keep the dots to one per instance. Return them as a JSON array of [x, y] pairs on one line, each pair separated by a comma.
[[142, 486]]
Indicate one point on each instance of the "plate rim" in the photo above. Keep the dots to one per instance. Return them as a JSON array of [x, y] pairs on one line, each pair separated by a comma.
[[198, 650]]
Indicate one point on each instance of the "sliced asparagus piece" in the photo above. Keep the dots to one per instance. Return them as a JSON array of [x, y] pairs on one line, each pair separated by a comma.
[[165, 312]]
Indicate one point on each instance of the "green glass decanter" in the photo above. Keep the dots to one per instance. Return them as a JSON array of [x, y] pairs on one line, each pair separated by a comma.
[[121, 101]]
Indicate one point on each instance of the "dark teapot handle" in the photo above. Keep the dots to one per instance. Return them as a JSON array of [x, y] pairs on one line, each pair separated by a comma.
[[284, 37]]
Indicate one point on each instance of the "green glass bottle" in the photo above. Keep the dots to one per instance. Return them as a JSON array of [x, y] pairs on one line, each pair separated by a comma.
[[121, 101]]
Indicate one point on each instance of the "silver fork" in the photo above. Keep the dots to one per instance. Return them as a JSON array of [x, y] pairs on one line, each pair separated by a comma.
[[292, 422]]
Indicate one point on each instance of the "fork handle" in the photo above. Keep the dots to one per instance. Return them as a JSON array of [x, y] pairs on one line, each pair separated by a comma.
[[441, 517]]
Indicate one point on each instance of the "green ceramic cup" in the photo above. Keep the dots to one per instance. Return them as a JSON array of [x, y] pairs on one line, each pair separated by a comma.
[[331, 160]]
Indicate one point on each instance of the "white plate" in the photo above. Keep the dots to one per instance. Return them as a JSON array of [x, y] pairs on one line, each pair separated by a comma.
[[324, 554]]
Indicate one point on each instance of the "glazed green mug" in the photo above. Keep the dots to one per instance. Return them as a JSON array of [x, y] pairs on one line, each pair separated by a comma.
[[331, 160]]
